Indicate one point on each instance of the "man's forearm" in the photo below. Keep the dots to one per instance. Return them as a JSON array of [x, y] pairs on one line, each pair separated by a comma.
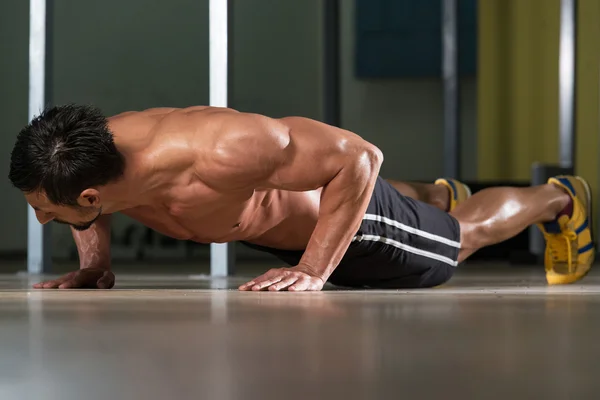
[[344, 202], [93, 244]]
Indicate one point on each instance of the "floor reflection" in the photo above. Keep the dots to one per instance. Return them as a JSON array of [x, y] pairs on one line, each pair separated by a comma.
[[508, 338]]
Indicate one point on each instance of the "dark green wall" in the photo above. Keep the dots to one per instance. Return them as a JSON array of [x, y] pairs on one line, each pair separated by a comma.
[[124, 55]]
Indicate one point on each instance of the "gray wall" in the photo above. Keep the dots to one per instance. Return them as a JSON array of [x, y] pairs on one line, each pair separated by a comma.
[[403, 116], [129, 55], [122, 59], [277, 57], [14, 31]]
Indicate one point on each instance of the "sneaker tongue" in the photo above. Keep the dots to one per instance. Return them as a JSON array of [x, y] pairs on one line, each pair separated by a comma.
[[552, 227]]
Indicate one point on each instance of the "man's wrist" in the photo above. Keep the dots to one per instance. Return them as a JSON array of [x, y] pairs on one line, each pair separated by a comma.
[[105, 267], [321, 273]]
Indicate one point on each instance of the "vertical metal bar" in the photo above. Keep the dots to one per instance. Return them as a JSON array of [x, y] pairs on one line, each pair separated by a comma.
[[39, 256], [221, 254], [218, 52], [222, 259], [451, 89], [230, 54], [597, 197], [331, 62], [567, 82]]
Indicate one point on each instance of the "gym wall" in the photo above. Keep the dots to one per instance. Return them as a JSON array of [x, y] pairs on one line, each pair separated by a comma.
[[156, 53], [518, 88]]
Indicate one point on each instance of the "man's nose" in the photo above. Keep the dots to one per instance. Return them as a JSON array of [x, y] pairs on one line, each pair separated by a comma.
[[43, 217]]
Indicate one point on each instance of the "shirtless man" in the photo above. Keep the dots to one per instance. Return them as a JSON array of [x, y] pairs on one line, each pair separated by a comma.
[[297, 188]]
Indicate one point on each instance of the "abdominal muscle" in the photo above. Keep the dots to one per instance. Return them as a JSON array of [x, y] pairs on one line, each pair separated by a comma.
[[272, 218]]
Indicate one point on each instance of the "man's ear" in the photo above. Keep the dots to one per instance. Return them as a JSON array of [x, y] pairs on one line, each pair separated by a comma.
[[89, 198]]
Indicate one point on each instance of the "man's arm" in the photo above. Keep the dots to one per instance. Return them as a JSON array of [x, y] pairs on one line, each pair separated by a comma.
[[300, 154], [93, 246]]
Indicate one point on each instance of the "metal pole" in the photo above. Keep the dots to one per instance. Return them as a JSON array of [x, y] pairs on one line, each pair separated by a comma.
[[331, 62], [221, 254], [451, 89], [598, 197], [39, 237], [566, 124], [567, 82]]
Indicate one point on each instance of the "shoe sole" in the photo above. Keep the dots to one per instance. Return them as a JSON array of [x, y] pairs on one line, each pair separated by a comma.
[[588, 194], [466, 187], [468, 190]]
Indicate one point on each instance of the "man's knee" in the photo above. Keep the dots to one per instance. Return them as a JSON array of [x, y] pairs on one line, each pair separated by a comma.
[[430, 277], [437, 276], [473, 236]]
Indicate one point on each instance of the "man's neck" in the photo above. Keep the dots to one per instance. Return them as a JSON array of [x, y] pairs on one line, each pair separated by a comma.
[[120, 196]]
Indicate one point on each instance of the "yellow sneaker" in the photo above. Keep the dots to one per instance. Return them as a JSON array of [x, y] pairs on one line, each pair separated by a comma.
[[459, 192], [570, 249]]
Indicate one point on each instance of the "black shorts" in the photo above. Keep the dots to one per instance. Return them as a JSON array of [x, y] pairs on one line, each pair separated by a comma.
[[402, 243]]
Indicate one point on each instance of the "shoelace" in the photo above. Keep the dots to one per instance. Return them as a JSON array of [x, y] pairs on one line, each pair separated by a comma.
[[560, 248]]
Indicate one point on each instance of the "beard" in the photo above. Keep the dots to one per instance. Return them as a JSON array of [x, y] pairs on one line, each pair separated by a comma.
[[82, 226]]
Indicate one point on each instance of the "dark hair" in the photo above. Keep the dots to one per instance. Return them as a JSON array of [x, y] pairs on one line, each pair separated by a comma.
[[64, 151]]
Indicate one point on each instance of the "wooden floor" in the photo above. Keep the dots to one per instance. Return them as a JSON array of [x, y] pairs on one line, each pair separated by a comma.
[[486, 335]]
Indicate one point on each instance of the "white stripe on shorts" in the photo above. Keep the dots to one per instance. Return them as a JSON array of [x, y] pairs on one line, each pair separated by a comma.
[[409, 229], [410, 249]]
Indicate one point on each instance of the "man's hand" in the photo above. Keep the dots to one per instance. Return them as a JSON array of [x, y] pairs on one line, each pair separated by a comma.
[[88, 278], [295, 279]]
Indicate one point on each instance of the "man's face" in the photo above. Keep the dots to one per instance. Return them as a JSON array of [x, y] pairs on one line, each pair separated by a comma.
[[78, 217]]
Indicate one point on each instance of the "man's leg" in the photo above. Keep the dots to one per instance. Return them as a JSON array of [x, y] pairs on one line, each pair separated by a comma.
[[560, 207], [444, 194]]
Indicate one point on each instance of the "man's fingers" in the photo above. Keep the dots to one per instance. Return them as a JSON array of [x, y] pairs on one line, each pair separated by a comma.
[[267, 275], [301, 285], [53, 284], [92, 278], [77, 281], [247, 285], [280, 279], [284, 283], [267, 282], [72, 284]]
